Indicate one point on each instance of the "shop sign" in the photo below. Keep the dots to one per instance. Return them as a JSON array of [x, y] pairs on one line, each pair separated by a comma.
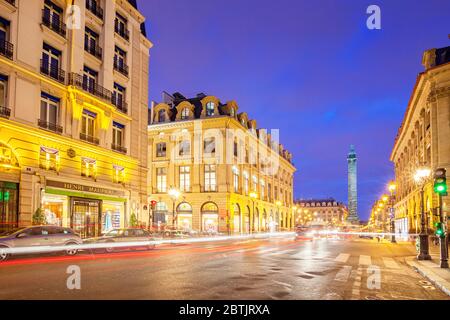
[[83, 188]]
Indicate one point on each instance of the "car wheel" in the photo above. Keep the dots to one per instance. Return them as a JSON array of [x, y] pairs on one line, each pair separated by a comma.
[[71, 252], [3, 255], [109, 249], [151, 247]]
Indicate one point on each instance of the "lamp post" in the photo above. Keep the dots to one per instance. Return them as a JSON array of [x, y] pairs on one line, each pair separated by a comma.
[[253, 196], [392, 187], [174, 195], [278, 204], [421, 177]]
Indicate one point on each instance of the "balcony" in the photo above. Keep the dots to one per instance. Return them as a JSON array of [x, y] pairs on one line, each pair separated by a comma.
[[122, 68], [119, 148], [90, 139], [93, 49], [44, 124], [95, 8], [11, 2], [124, 33], [54, 24], [55, 73], [120, 104], [5, 112], [77, 80], [6, 49]]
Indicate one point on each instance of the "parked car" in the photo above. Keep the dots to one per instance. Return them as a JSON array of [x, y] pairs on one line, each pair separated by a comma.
[[123, 236], [38, 236]]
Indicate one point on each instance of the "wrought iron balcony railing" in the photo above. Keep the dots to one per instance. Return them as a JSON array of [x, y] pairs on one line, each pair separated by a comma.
[[5, 112], [119, 148], [52, 23], [120, 104], [6, 49], [95, 8], [124, 33], [55, 73], [88, 138], [95, 50], [122, 68], [44, 124], [93, 88]]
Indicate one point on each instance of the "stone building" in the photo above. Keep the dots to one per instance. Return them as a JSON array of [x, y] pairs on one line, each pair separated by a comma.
[[423, 140], [327, 211], [73, 107], [231, 176]]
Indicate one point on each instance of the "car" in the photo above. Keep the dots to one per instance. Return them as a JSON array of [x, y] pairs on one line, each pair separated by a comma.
[[38, 236], [124, 235]]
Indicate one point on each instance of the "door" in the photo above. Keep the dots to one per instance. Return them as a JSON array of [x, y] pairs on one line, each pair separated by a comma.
[[9, 201], [86, 217]]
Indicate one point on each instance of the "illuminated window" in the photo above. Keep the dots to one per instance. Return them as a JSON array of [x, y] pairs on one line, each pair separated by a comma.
[[118, 133], [210, 106], [262, 189], [210, 178], [185, 178], [185, 148], [161, 180], [49, 159], [49, 111], [185, 114], [119, 174], [209, 146], [88, 126], [236, 179], [161, 149], [246, 183], [255, 183], [88, 167]]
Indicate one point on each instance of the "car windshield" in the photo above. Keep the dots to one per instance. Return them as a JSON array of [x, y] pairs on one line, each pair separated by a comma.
[[8, 233]]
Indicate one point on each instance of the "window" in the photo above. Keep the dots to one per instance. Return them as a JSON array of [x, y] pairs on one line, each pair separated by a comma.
[[235, 148], [161, 180], [91, 40], [118, 133], [255, 184], [210, 106], [120, 26], [185, 114], [210, 177], [51, 62], [49, 159], [3, 90], [269, 192], [232, 112], [120, 58], [236, 179], [263, 187], [209, 146], [88, 167], [185, 178], [118, 97], [162, 115], [4, 33], [53, 15], [88, 125], [275, 191], [245, 183], [49, 111], [161, 149], [89, 79], [119, 174], [185, 148]]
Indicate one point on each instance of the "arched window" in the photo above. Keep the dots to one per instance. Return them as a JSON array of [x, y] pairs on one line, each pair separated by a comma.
[[210, 207], [184, 207], [185, 114], [210, 106], [236, 218], [162, 115]]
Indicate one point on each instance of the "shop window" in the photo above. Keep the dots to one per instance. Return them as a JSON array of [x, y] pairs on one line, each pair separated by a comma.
[[49, 159], [54, 209], [112, 214], [88, 168], [119, 174]]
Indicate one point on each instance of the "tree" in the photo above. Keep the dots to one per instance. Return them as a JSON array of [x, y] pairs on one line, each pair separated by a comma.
[[38, 217], [133, 220]]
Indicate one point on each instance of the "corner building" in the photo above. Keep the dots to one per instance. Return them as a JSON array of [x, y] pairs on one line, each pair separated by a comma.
[[73, 113], [232, 177]]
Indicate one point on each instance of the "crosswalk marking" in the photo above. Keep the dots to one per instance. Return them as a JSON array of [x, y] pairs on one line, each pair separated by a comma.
[[365, 260], [342, 257], [343, 274], [390, 263]]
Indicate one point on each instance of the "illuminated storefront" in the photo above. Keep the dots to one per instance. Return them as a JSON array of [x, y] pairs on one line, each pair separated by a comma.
[[9, 201], [184, 216], [210, 217]]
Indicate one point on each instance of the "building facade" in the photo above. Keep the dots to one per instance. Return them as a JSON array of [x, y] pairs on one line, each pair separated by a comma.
[[423, 140], [328, 212], [352, 186], [73, 106], [232, 177]]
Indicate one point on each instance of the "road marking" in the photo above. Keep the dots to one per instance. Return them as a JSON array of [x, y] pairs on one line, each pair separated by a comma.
[[343, 274], [365, 260], [342, 257], [280, 252], [390, 263]]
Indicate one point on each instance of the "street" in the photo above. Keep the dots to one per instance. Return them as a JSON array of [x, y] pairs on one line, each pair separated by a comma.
[[283, 268]]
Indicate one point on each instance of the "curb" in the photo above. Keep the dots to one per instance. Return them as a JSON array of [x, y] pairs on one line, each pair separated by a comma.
[[430, 276]]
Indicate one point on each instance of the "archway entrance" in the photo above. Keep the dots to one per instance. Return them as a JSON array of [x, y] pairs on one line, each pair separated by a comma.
[[210, 217]]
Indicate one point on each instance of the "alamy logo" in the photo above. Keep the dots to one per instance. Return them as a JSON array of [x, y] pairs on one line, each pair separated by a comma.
[[74, 280], [73, 17], [374, 20]]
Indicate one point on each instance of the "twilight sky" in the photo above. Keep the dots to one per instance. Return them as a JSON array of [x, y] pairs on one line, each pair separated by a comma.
[[310, 68]]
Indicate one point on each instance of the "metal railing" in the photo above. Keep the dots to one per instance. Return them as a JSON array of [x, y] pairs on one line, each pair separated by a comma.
[[95, 50], [123, 69], [88, 138], [119, 148], [78, 81], [95, 8], [120, 104], [55, 73], [56, 25], [124, 33], [11, 2], [44, 124], [6, 49], [5, 112]]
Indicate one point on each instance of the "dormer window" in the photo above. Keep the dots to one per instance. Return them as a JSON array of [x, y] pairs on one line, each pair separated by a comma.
[[162, 116], [210, 108], [185, 114], [232, 112], [243, 121]]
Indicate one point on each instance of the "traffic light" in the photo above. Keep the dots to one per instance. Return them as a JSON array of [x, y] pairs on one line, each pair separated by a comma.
[[439, 229], [440, 181], [153, 204]]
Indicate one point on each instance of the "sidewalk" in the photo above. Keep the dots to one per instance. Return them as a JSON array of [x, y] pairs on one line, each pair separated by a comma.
[[431, 270]]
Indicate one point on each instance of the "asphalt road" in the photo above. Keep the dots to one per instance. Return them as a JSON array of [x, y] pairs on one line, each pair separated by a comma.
[[326, 269]]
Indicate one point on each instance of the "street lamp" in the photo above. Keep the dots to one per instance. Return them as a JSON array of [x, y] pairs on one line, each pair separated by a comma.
[[278, 204], [421, 177], [253, 196], [174, 195], [392, 187]]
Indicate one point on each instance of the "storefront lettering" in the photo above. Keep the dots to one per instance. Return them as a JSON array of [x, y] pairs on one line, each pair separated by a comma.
[[83, 188]]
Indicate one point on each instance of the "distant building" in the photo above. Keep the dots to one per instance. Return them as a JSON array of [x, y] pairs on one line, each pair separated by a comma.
[[328, 211], [352, 187]]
